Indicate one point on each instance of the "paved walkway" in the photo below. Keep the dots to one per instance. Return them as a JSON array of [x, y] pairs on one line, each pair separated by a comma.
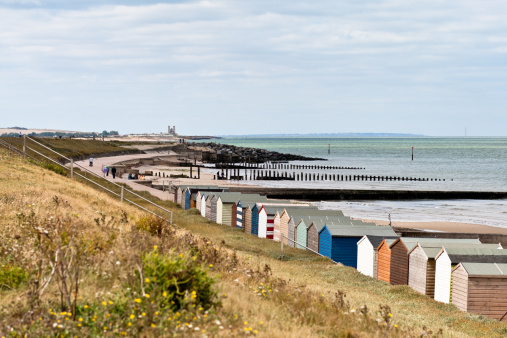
[[100, 162]]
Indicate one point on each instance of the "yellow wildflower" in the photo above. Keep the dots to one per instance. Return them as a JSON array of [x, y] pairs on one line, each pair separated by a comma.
[[129, 323], [147, 280], [132, 316], [147, 295], [164, 294], [104, 303], [137, 300]]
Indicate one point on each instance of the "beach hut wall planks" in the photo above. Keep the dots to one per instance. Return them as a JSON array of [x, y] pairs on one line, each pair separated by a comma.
[[224, 207], [188, 195], [339, 242], [448, 258], [209, 199], [288, 231], [421, 267], [205, 199], [403, 245], [241, 205], [198, 201], [247, 219], [301, 235], [367, 254], [421, 276], [193, 190], [384, 261], [481, 288], [255, 219], [265, 226], [262, 223], [276, 226], [302, 223]]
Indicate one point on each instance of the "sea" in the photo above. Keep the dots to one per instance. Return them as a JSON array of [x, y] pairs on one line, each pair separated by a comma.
[[454, 164]]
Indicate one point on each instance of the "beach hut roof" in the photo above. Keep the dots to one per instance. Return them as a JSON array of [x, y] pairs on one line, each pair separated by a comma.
[[484, 269], [221, 194], [359, 231], [252, 197], [300, 213], [206, 194], [475, 254], [298, 209], [431, 250], [411, 242], [320, 221], [230, 197], [273, 209], [184, 187], [376, 240]]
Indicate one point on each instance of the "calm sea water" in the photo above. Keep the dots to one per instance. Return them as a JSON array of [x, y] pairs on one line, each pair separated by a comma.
[[466, 164]]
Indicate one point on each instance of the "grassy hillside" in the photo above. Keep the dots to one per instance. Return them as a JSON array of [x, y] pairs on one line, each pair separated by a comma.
[[70, 147], [75, 261]]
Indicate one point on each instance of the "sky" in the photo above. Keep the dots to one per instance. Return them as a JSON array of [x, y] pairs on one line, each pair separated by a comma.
[[228, 67]]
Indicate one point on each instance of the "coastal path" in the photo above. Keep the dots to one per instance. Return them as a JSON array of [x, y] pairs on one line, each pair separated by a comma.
[[100, 162]]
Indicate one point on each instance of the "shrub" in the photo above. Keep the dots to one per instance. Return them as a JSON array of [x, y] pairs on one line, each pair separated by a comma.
[[12, 276], [151, 224], [179, 280]]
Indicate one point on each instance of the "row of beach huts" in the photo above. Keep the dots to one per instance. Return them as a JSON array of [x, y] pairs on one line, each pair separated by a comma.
[[464, 272]]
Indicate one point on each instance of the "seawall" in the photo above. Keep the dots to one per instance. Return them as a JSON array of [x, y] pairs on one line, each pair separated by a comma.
[[345, 194]]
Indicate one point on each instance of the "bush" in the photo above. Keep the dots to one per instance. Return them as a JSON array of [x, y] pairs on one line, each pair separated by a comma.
[[54, 167], [12, 276], [151, 224], [178, 280]]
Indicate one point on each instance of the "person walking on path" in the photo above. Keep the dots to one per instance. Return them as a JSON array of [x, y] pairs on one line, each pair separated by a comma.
[[104, 171], [107, 167], [91, 161], [113, 171]]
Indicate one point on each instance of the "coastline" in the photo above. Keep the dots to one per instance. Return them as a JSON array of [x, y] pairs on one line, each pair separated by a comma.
[[207, 179]]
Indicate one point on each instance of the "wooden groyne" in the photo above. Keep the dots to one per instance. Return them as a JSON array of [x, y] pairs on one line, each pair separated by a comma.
[[349, 194]]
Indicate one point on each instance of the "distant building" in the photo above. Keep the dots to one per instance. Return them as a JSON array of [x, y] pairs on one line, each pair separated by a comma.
[[172, 130]]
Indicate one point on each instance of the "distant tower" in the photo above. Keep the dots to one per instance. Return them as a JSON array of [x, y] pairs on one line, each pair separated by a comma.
[[174, 130], [169, 131]]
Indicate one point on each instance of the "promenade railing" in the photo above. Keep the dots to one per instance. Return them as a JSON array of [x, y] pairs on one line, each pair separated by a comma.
[[23, 152]]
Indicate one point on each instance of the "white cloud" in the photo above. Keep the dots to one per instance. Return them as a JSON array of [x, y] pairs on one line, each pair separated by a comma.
[[261, 57]]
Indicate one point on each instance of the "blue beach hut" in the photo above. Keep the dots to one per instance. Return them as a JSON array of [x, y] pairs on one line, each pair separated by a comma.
[[339, 242]]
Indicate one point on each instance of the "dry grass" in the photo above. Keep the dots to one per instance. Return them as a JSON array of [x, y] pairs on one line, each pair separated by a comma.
[[303, 295]]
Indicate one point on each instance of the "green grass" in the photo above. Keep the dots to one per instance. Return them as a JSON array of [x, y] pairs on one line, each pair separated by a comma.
[[78, 149]]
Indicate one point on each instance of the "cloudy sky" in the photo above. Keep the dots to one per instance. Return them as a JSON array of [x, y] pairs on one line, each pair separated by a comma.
[[430, 67]]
